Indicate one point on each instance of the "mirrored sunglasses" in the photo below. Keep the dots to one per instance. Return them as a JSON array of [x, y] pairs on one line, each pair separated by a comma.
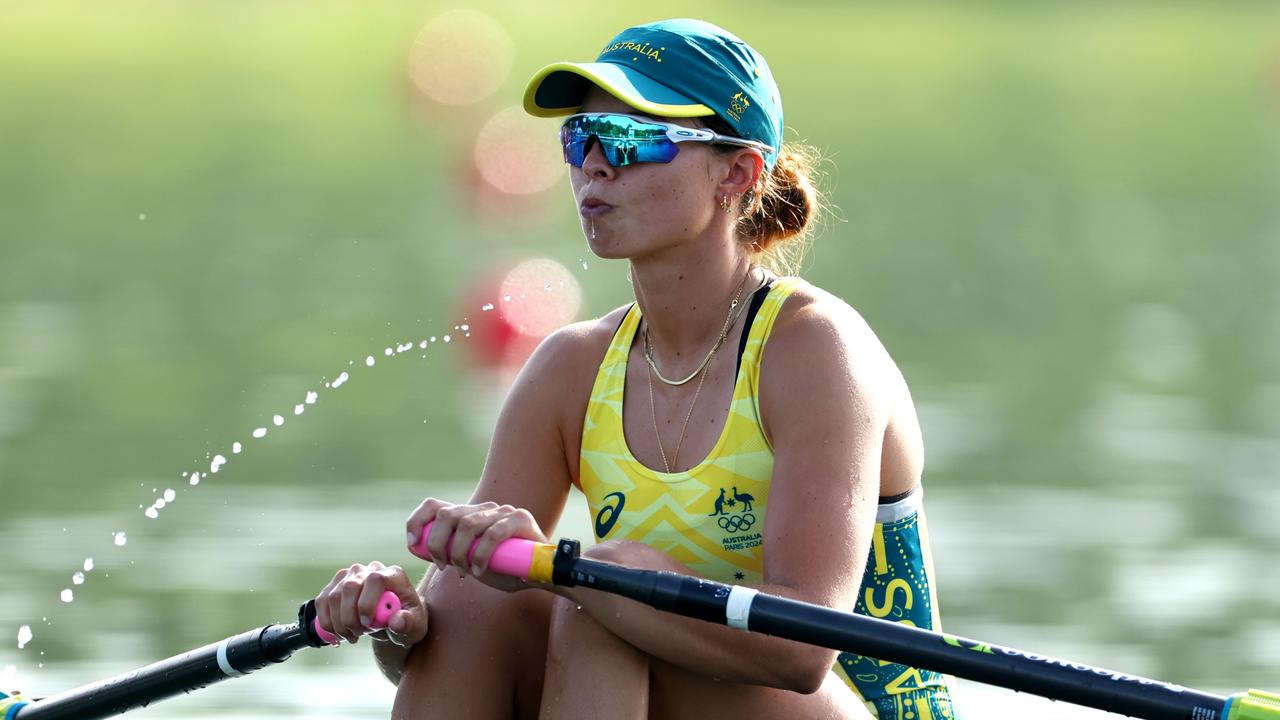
[[628, 139]]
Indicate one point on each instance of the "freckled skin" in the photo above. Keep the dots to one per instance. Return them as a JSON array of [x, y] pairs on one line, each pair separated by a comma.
[[656, 206]]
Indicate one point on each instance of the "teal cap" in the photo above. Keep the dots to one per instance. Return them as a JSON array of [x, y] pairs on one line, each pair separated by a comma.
[[672, 68]]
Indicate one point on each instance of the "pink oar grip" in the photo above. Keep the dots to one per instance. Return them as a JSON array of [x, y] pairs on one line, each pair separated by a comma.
[[513, 556], [388, 605]]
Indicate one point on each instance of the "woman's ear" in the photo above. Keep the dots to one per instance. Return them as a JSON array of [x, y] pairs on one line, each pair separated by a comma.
[[742, 171]]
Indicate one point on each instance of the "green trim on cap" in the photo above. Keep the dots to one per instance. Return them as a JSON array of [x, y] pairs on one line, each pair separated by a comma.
[[600, 74]]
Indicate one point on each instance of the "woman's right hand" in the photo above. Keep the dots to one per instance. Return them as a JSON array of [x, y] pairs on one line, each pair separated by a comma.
[[345, 607], [465, 536]]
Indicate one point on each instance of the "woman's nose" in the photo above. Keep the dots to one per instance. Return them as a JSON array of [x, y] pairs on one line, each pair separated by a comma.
[[594, 163]]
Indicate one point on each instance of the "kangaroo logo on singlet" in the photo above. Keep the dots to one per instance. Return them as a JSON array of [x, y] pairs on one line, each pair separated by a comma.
[[608, 515], [737, 525]]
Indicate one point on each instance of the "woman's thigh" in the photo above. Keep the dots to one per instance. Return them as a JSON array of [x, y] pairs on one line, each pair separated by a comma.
[[679, 694]]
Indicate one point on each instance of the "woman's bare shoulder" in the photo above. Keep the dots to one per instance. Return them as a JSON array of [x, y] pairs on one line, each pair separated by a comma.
[[819, 334], [820, 330], [822, 346], [582, 343], [813, 319], [557, 381], [563, 368]]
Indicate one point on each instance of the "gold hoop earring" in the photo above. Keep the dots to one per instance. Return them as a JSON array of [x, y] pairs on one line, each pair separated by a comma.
[[725, 203]]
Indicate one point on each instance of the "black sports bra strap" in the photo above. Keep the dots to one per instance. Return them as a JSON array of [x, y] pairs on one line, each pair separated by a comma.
[[891, 499], [757, 299], [624, 319]]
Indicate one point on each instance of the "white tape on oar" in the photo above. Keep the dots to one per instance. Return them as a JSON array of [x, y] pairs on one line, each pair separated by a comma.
[[738, 609], [223, 663]]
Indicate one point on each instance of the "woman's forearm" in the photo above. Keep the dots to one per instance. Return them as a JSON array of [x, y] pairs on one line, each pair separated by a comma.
[[705, 648], [390, 658]]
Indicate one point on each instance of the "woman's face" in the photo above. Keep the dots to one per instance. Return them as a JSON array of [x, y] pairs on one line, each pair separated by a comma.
[[639, 209]]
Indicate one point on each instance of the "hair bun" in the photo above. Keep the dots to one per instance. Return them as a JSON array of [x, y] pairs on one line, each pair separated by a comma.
[[781, 211]]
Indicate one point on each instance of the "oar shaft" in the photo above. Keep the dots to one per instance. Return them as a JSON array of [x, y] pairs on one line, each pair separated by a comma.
[[889, 641], [233, 657], [992, 664]]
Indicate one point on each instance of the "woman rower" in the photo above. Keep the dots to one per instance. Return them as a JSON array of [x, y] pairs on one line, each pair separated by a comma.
[[731, 423]]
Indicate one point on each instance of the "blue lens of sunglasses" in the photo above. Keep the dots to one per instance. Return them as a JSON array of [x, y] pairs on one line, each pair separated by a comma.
[[624, 140]]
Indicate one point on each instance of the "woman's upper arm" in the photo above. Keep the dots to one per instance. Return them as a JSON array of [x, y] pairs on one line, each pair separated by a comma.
[[824, 399], [527, 464]]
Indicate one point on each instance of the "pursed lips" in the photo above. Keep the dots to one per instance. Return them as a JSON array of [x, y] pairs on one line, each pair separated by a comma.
[[593, 207]]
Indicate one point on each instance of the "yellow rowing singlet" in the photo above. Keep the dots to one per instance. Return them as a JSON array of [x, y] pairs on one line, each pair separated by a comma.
[[711, 516]]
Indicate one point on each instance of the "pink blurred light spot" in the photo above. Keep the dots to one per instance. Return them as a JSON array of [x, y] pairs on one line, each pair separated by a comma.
[[537, 313], [519, 154]]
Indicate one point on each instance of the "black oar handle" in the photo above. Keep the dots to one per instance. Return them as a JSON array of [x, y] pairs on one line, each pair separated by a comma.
[[233, 657]]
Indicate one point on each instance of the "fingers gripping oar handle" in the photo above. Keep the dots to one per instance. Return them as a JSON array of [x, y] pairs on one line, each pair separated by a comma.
[[518, 557], [388, 605]]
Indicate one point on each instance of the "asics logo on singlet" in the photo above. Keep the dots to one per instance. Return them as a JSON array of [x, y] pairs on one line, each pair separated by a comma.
[[608, 515]]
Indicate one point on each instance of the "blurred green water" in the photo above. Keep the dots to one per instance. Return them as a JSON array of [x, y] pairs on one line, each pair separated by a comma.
[[1061, 219]]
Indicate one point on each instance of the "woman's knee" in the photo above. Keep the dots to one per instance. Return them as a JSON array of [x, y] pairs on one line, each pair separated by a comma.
[[468, 603], [571, 631], [467, 619], [575, 635], [591, 672], [484, 649], [619, 552]]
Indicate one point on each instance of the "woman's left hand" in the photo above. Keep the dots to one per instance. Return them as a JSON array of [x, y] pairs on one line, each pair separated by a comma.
[[456, 528]]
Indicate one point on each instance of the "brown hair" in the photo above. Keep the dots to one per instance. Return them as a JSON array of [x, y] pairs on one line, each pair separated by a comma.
[[780, 212]]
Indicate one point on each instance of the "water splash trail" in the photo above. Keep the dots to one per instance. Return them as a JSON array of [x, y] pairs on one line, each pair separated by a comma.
[[216, 462]]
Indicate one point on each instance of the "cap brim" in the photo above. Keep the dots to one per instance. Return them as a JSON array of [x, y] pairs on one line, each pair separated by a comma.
[[558, 89]]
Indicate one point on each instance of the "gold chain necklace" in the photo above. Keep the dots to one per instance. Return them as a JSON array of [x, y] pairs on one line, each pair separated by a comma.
[[724, 333], [653, 408], [653, 370]]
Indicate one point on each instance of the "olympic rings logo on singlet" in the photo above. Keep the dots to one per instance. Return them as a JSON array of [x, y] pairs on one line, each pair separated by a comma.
[[739, 523], [736, 523]]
